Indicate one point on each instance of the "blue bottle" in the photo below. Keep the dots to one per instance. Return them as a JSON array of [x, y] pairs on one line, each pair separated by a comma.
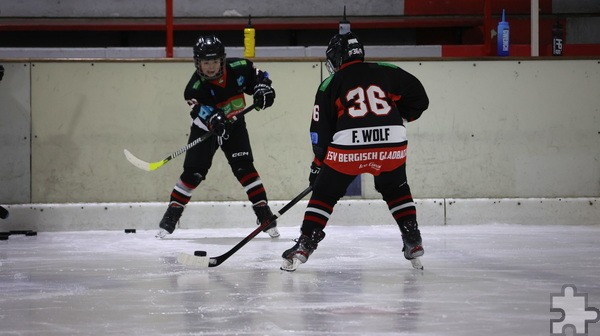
[[503, 37], [557, 39]]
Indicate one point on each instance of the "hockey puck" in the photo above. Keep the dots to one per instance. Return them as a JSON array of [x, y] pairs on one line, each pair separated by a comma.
[[129, 230], [200, 253], [3, 213]]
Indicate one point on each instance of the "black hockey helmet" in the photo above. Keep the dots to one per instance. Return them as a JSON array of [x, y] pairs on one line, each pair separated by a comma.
[[209, 47], [343, 49]]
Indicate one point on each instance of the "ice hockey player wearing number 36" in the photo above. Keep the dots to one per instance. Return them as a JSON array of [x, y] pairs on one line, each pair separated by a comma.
[[358, 127], [216, 93]]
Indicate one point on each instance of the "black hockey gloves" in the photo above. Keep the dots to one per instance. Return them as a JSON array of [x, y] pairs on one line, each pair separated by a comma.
[[264, 96], [314, 172], [217, 123]]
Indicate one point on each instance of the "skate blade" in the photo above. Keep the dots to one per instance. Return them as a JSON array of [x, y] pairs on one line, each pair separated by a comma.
[[192, 260], [289, 266], [273, 232], [416, 263], [162, 233]]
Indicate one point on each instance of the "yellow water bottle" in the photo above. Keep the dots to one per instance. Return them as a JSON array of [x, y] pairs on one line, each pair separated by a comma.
[[249, 39]]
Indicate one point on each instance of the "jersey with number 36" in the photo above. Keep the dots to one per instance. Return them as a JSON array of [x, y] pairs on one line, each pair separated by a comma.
[[359, 114]]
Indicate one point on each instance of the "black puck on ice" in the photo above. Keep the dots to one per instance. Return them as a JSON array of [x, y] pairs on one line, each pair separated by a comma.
[[129, 230], [3, 213], [200, 253]]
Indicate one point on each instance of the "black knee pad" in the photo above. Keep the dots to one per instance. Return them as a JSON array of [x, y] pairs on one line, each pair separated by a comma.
[[242, 168], [391, 191], [192, 178], [392, 184]]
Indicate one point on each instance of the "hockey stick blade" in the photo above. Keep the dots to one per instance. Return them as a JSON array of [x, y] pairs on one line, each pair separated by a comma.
[[150, 166], [188, 259], [192, 260], [136, 162]]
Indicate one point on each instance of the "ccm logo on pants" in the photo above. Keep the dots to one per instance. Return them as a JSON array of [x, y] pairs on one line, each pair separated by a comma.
[[238, 154]]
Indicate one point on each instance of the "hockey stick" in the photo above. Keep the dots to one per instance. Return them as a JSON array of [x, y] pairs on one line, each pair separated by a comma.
[[150, 166], [192, 260]]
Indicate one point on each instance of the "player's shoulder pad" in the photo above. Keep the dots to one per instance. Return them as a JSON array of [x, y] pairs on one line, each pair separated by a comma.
[[325, 83], [195, 81], [237, 62], [197, 84]]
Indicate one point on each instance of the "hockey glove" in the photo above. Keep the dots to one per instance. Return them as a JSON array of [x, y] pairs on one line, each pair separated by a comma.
[[217, 123], [314, 172], [264, 96]]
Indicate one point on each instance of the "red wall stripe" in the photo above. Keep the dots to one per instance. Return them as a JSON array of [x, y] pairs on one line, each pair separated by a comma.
[[471, 7]]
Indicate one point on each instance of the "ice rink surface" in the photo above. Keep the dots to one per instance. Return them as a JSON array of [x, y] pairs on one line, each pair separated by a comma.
[[494, 279]]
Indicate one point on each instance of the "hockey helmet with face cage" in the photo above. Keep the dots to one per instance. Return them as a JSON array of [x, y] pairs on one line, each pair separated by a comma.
[[209, 47], [343, 49]]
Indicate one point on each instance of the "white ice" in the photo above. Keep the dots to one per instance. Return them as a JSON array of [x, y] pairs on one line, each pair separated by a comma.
[[493, 279]]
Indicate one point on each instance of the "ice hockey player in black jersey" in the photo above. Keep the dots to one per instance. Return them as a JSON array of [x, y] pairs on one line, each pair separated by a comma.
[[358, 126], [216, 93]]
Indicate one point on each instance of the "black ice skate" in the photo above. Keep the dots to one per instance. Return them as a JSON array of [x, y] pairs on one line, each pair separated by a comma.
[[413, 244], [170, 219], [263, 213], [300, 252]]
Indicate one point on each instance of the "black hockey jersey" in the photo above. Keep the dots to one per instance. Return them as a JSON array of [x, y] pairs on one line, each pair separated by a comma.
[[226, 93], [358, 117]]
